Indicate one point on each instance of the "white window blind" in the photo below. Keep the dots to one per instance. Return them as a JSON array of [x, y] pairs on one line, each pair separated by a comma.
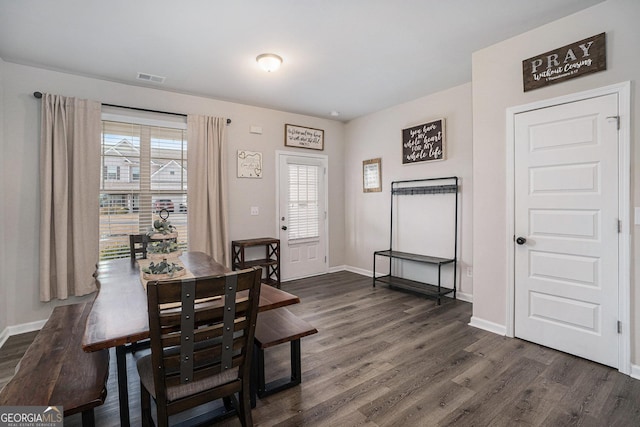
[[144, 169], [303, 207]]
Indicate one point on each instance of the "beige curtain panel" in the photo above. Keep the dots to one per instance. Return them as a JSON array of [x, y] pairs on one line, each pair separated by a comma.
[[207, 190], [69, 187]]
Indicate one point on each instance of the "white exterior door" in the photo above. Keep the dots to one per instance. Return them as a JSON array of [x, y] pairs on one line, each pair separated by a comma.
[[566, 223], [302, 216]]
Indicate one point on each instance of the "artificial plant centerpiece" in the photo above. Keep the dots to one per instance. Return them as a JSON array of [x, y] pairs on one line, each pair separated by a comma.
[[162, 270], [162, 247], [162, 228], [163, 239]]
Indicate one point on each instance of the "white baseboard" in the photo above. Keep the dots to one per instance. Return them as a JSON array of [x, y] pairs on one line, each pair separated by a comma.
[[357, 270], [488, 326], [635, 371], [336, 269], [20, 329], [462, 296], [4, 336]]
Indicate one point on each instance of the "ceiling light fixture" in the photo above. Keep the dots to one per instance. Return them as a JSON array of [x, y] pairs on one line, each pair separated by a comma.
[[269, 61]]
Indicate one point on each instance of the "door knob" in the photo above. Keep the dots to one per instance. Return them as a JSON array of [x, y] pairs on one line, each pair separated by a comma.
[[521, 240], [284, 227]]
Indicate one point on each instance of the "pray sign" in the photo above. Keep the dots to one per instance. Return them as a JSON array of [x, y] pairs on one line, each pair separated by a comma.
[[568, 62]]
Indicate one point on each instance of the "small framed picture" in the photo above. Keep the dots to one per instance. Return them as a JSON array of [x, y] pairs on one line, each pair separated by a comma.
[[249, 164], [303, 137], [372, 175]]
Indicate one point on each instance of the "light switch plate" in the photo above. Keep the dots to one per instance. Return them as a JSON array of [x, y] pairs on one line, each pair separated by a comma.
[[255, 210], [637, 215]]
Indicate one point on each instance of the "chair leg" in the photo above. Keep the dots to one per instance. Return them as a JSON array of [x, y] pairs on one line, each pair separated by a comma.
[[228, 405], [145, 406], [88, 418], [260, 375], [163, 416], [244, 409]]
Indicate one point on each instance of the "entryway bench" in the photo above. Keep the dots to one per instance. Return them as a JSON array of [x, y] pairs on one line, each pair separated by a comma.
[[55, 371], [277, 327]]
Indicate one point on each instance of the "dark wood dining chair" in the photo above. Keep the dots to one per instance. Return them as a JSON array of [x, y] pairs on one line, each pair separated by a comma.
[[202, 333], [138, 245]]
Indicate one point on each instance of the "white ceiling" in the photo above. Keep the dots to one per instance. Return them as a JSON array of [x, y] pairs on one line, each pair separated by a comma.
[[351, 56]]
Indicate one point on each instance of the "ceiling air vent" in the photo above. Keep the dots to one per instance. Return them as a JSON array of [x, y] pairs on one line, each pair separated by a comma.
[[150, 78]]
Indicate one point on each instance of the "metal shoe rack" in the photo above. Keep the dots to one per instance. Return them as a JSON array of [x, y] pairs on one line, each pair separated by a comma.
[[427, 186]]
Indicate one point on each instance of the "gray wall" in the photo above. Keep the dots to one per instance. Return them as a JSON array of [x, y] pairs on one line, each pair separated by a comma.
[[497, 85], [368, 214], [20, 162], [358, 221]]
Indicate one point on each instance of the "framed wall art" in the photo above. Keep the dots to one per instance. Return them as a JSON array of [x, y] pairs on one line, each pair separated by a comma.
[[303, 137], [249, 164], [423, 143], [564, 63], [372, 175]]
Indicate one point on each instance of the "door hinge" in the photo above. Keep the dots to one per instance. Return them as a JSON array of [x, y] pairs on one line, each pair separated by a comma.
[[325, 259], [617, 120], [619, 226], [619, 327]]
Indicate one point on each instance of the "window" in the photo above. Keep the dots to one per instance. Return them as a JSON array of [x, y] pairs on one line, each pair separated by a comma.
[[144, 170], [303, 208], [135, 173], [111, 172]]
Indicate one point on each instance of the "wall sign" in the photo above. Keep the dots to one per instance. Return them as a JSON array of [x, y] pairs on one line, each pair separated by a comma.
[[423, 143], [249, 164], [565, 63], [304, 137], [372, 175]]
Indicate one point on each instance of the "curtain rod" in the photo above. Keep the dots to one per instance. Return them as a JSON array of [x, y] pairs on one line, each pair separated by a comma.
[[39, 95]]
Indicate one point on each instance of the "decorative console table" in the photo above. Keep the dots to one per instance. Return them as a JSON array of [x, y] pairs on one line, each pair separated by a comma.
[[270, 264]]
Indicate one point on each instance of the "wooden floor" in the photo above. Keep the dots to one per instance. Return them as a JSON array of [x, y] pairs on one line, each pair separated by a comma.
[[387, 358]]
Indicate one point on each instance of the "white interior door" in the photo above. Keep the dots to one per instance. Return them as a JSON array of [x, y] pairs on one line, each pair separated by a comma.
[[566, 220], [302, 216]]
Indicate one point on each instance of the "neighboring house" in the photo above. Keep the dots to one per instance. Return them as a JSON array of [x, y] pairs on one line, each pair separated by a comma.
[[121, 174], [167, 176]]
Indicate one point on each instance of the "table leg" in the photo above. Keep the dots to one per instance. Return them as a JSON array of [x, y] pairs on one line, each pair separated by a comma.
[[123, 390]]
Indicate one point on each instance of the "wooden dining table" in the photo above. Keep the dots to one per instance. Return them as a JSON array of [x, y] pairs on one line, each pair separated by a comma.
[[119, 313]]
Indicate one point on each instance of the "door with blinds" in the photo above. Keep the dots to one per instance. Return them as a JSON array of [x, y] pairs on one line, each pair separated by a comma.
[[302, 216]]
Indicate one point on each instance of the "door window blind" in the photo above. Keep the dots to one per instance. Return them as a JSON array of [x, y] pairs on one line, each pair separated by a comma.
[[303, 207]]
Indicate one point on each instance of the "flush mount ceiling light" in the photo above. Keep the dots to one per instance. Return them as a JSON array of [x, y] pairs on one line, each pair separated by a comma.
[[269, 61]]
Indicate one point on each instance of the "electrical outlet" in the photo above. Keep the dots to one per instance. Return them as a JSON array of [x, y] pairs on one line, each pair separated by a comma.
[[469, 272], [255, 210]]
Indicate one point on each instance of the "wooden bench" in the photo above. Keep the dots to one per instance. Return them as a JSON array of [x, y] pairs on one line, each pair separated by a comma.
[[272, 328], [55, 371]]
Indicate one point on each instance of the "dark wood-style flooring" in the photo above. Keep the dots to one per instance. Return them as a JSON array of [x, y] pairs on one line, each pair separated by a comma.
[[387, 358]]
